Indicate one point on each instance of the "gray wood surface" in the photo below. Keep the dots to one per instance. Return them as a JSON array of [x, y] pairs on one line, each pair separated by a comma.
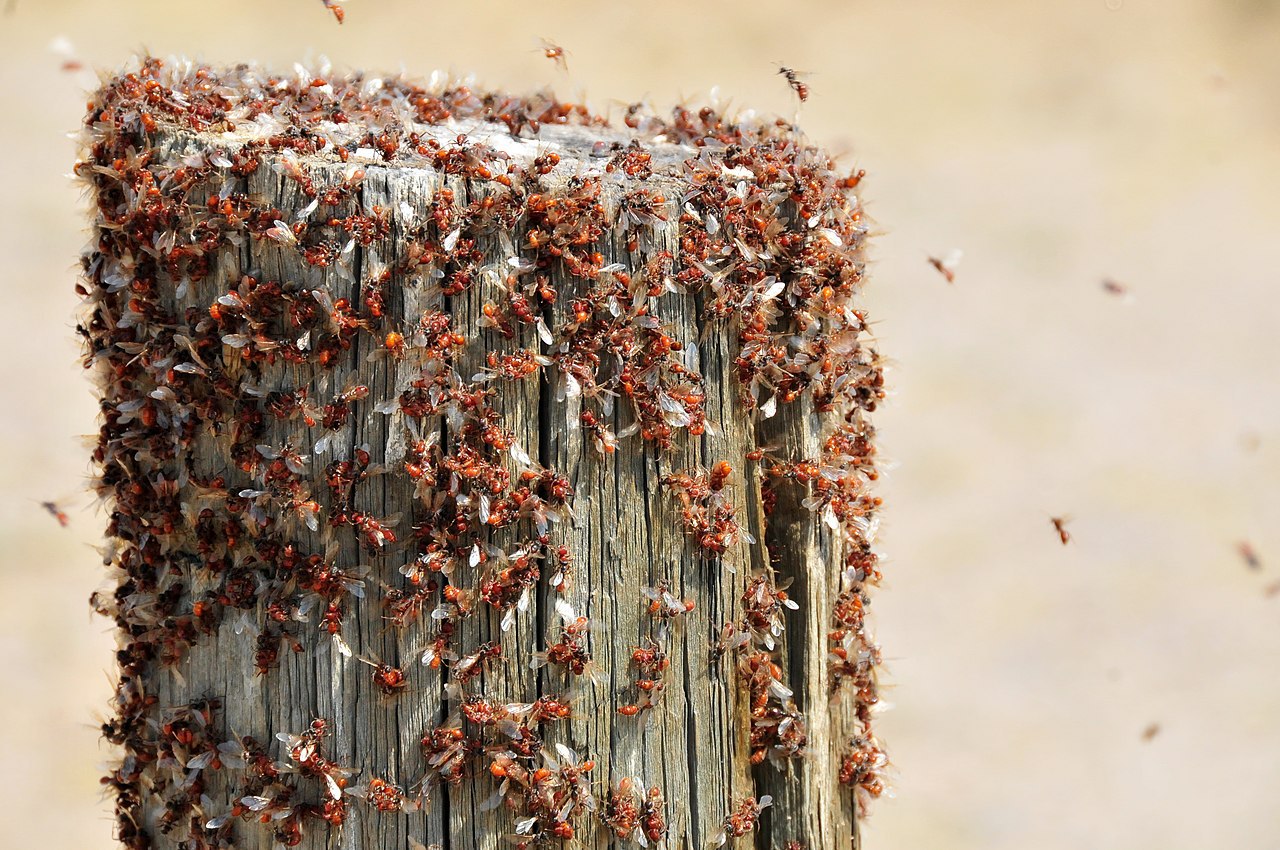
[[625, 534]]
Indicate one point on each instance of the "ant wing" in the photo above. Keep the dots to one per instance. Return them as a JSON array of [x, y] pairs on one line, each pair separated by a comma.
[[348, 385], [596, 674], [566, 611], [494, 800]]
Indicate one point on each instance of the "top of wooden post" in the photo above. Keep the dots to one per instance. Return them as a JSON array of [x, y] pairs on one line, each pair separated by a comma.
[[360, 117]]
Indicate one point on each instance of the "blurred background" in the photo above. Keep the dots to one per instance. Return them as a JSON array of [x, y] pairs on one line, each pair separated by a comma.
[[1121, 691]]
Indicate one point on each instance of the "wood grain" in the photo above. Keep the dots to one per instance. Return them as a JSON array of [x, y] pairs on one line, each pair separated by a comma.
[[625, 534]]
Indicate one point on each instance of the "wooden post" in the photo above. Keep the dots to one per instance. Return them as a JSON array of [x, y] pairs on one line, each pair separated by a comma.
[[460, 450]]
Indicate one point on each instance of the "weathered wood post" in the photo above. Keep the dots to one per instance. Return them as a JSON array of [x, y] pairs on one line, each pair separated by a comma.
[[479, 472]]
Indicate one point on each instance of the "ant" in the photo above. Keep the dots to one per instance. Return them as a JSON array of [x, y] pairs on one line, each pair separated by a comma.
[[862, 767], [570, 652], [388, 679], [1116, 289], [622, 809], [652, 821], [57, 513], [947, 266], [793, 79], [741, 820], [383, 795], [470, 666], [336, 8], [1060, 526], [652, 663], [1246, 550], [556, 54]]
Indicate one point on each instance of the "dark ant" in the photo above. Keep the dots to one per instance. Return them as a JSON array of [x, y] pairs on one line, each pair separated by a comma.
[[793, 79], [57, 513]]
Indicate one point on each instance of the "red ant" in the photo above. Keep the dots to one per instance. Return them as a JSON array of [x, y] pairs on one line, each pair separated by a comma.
[[388, 679], [793, 79], [741, 820], [570, 651], [57, 513], [652, 816], [336, 8], [383, 796], [652, 663], [556, 54], [947, 266], [1060, 525]]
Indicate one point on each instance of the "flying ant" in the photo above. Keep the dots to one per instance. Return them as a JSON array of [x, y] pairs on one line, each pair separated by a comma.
[[759, 453], [63, 46], [947, 266], [793, 79], [730, 639], [470, 666], [384, 796], [556, 54], [664, 606], [622, 809], [1116, 289], [570, 651], [1251, 559], [741, 820], [336, 8], [1060, 526], [448, 750], [862, 766], [653, 822], [388, 679], [57, 513], [652, 663]]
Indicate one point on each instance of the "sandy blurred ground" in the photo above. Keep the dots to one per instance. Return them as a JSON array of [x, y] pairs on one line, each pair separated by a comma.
[[1055, 143]]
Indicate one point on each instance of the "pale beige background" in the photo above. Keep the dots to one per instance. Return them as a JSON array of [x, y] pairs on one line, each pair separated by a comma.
[[1056, 143]]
